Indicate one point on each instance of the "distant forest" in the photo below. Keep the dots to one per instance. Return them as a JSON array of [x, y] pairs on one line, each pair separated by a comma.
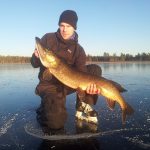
[[14, 59], [123, 57], [105, 58]]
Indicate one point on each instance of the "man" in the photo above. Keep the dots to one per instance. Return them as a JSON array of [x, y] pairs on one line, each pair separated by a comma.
[[52, 112]]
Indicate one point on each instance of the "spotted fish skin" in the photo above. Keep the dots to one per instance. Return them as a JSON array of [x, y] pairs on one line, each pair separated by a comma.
[[80, 80]]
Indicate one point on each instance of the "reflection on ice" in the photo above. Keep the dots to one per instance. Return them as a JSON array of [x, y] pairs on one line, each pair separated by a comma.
[[7, 124], [140, 139]]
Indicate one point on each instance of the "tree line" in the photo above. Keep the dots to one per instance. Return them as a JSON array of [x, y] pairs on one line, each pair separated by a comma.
[[105, 58], [123, 57], [14, 59]]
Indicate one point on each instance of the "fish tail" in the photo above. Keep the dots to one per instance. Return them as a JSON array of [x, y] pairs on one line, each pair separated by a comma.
[[128, 111]]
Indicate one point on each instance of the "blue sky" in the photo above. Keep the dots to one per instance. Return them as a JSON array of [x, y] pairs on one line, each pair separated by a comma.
[[112, 26]]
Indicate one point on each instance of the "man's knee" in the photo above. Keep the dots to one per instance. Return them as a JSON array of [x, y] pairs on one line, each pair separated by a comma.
[[88, 98], [56, 120], [91, 99], [94, 69]]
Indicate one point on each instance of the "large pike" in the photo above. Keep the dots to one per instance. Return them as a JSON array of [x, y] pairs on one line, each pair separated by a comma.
[[80, 80]]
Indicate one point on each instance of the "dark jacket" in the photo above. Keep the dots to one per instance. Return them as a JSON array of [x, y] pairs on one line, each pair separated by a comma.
[[68, 50]]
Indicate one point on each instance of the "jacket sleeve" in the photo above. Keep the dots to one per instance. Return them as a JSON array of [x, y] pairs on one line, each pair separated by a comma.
[[80, 62]]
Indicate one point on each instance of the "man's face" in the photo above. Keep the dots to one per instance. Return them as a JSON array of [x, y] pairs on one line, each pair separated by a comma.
[[66, 30]]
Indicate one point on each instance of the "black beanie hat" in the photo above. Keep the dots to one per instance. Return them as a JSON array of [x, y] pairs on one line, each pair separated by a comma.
[[70, 17]]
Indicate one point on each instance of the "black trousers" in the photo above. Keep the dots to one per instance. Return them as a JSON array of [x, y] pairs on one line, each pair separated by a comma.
[[52, 111]]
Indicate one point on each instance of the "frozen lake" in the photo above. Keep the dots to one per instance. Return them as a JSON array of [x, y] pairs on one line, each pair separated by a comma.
[[18, 104]]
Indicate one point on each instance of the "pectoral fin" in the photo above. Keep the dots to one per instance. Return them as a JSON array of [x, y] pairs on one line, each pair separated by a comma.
[[111, 103]]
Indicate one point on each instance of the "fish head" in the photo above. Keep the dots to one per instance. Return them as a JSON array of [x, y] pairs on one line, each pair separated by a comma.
[[47, 58]]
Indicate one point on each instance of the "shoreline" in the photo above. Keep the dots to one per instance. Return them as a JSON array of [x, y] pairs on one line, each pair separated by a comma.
[[116, 62], [92, 62]]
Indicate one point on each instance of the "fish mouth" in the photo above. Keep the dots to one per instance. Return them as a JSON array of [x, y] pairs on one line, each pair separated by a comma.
[[39, 48], [42, 52]]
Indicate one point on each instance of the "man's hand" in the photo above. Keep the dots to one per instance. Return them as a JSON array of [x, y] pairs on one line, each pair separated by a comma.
[[91, 89], [36, 53]]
